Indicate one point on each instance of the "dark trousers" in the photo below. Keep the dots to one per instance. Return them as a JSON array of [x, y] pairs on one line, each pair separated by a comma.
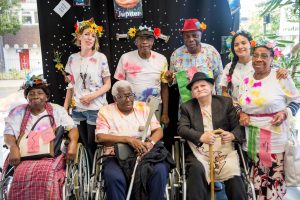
[[197, 186], [87, 137], [116, 185]]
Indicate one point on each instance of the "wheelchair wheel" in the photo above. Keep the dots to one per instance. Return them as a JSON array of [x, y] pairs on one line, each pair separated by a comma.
[[83, 175], [96, 173]]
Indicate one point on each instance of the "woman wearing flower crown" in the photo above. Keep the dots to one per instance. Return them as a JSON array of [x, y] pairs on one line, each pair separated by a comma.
[[90, 80], [241, 65], [266, 103], [37, 178]]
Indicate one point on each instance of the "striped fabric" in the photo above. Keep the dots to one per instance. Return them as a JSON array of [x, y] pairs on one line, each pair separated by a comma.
[[294, 107]]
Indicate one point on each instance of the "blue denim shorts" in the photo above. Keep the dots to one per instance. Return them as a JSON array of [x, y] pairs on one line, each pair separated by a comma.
[[89, 116]]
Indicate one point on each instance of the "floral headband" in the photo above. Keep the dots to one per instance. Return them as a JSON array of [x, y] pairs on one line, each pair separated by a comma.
[[34, 80], [156, 32], [79, 26]]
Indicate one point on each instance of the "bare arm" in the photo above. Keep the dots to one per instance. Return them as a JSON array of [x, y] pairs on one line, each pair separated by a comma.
[[72, 147], [68, 98], [165, 100], [14, 151]]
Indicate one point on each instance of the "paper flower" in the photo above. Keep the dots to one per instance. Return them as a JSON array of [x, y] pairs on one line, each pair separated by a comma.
[[156, 32], [79, 26], [277, 52], [203, 26], [132, 32], [228, 78], [252, 43]]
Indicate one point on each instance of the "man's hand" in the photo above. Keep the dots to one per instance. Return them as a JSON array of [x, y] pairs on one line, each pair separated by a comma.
[[14, 156], [208, 137], [164, 119], [244, 119], [138, 145], [169, 75], [227, 137], [281, 73]]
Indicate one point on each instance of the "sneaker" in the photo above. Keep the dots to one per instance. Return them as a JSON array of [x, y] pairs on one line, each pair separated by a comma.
[[218, 186]]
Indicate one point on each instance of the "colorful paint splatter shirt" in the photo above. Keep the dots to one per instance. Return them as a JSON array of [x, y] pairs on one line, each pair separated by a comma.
[[208, 61], [266, 96], [144, 74], [88, 74], [240, 71], [111, 120]]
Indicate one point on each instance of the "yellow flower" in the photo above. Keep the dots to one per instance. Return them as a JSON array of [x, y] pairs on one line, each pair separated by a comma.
[[72, 103], [162, 77], [132, 32], [59, 66]]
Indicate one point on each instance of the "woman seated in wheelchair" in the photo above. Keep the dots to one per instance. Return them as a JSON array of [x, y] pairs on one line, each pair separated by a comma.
[[201, 119], [123, 122], [28, 129]]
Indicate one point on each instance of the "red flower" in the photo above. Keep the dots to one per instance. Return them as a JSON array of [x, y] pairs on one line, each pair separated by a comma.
[[156, 32], [252, 43], [228, 77], [38, 81]]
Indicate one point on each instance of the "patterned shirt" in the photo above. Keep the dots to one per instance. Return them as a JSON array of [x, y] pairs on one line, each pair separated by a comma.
[[208, 61], [144, 74]]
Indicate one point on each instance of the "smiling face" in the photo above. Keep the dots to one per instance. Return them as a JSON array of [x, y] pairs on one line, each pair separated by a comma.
[[192, 40], [242, 47], [201, 89], [37, 98], [87, 39], [262, 60]]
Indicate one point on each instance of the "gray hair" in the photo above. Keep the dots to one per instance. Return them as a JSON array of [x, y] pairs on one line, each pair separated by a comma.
[[120, 84]]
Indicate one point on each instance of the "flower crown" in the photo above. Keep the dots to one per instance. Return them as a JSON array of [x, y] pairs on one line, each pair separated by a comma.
[[201, 26], [33, 80], [79, 26], [261, 42], [155, 31]]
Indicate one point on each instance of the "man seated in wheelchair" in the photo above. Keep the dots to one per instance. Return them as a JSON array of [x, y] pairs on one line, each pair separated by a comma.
[[199, 117], [29, 133], [123, 122]]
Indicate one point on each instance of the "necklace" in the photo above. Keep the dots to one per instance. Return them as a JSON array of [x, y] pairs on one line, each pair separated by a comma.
[[83, 75]]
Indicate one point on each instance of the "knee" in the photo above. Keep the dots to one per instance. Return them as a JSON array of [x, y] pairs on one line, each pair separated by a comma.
[[112, 177], [160, 169], [195, 169]]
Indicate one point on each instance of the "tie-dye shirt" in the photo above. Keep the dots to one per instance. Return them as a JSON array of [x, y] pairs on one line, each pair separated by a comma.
[[111, 120], [93, 69], [266, 96], [208, 61], [145, 75]]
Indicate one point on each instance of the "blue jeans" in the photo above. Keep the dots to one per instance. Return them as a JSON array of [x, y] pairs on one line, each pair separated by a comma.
[[89, 116]]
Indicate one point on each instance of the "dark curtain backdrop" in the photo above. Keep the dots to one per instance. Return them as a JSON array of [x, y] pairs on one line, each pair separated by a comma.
[[168, 15]]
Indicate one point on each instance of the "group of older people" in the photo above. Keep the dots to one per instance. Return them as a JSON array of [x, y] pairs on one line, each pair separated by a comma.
[[261, 97]]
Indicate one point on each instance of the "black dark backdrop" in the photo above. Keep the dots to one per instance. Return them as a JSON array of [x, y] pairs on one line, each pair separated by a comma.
[[168, 15]]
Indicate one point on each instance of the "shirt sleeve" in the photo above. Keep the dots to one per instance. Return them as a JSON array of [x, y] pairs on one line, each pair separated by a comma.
[[217, 70], [64, 119], [223, 78], [290, 91], [104, 67], [102, 125], [120, 72]]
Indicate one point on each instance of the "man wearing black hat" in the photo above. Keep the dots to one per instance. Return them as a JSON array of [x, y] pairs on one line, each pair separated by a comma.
[[143, 68], [201, 118]]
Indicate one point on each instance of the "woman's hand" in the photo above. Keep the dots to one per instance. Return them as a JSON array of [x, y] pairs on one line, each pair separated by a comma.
[[281, 73], [278, 118], [14, 156], [208, 137], [72, 150], [87, 99], [138, 145], [244, 119]]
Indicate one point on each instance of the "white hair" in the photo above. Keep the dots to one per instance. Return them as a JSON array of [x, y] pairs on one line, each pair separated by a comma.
[[120, 84]]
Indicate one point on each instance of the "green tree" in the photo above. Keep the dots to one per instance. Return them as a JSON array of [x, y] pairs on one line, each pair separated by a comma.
[[9, 23]]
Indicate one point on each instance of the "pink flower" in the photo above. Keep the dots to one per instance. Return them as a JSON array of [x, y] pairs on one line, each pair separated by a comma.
[[271, 44], [228, 78], [277, 52], [246, 80], [248, 100]]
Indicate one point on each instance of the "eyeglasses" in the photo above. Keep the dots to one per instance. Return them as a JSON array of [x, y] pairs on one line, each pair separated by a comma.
[[123, 97], [262, 56]]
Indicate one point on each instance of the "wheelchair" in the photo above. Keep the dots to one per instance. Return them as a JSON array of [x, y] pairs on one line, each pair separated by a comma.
[[97, 189], [177, 178], [77, 183]]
